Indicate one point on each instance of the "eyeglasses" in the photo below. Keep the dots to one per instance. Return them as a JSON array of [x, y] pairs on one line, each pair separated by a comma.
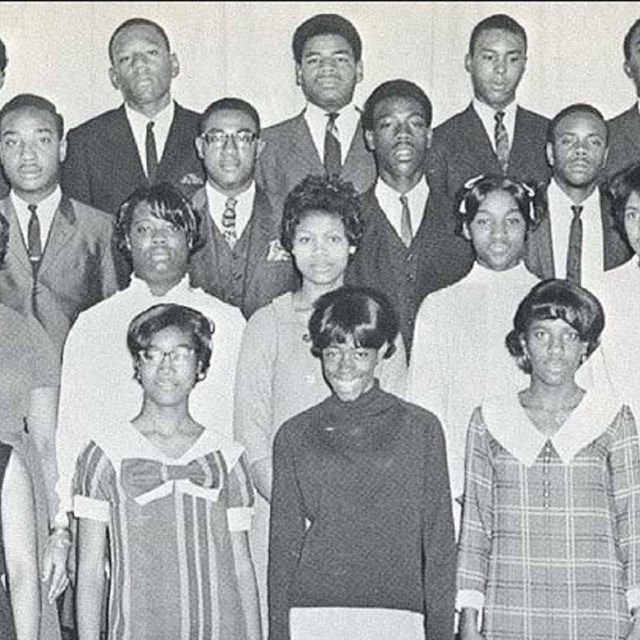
[[218, 139], [178, 355]]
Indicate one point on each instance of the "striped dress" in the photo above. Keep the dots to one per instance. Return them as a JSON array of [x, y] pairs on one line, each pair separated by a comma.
[[550, 540], [169, 521]]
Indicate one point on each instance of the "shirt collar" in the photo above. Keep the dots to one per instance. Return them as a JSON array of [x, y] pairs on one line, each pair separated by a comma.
[[244, 206], [387, 194], [557, 195], [346, 124], [162, 119], [487, 117], [46, 211], [140, 289]]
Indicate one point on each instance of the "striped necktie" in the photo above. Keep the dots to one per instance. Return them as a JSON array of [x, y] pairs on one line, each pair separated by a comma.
[[332, 149], [34, 238], [406, 231], [574, 254], [501, 138], [229, 221]]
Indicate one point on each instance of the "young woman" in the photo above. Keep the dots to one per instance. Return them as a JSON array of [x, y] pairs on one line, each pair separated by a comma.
[[361, 541], [458, 355], [175, 498], [550, 539]]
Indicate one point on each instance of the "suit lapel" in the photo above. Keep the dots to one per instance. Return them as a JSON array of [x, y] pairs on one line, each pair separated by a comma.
[[16, 247], [60, 233], [633, 133], [129, 162], [539, 251], [302, 150], [176, 137], [260, 230], [479, 142]]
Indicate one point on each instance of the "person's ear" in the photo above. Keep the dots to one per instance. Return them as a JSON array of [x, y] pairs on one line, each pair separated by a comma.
[[199, 144], [298, 74], [62, 150], [465, 231], [359, 71], [467, 62], [259, 147], [115, 80], [549, 152], [175, 65], [368, 138], [2, 77]]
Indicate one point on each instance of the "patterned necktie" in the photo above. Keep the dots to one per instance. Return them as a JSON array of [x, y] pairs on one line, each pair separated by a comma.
[[152, 154], [406, 232], [332, 149], [574, 254], [229, 221], [501, 138], [33, 237]]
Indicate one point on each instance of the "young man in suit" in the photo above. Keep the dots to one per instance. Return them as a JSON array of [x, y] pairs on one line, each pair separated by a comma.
[[327, 136], [409, 248], [147, 140], [577, 237], [59, 259], [624, 129], [241, 261], [493, 134]]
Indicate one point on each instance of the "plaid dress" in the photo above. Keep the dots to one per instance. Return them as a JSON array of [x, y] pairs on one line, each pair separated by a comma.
[[550, 539]]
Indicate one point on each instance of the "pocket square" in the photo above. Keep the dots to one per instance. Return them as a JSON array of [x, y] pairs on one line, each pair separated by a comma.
[[277, 253], [191, 178]]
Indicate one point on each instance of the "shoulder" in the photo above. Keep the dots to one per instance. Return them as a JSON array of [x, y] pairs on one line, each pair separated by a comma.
[[281, 128], [624, 118], [532, 118], [97, 125], [95, 218], [215, 308], [266, 318], [186, 117], [451, 125]]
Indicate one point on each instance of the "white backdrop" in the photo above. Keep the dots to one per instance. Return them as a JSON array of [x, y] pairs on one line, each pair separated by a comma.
[[240, 48]]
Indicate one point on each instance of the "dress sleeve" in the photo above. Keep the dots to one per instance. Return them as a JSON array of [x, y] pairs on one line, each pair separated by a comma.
[[45, 361], [624, 465], [253, 413], [93, 485], [439, 547], [286, 534], [241, 496], [474, 548]]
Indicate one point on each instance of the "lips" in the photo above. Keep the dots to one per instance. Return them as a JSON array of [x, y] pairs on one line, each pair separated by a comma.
[[30, 171], [403, 151]]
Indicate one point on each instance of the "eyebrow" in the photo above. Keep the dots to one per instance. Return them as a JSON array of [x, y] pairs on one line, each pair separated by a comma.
[[332, 53]]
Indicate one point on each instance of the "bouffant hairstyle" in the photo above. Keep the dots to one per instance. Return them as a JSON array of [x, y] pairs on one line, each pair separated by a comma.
[[154, 319], [325, 24], [362, 313], [556, 300], [327, 194], [620, 188]]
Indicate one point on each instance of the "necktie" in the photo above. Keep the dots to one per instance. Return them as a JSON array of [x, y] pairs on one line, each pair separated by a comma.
[[152, 154], [574, 254], [33, 237], [332, 150], [406, 232], [229, 221], [501, 138]]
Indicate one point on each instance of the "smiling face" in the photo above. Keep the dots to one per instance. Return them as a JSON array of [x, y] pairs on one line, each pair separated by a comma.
[[230, 167], [632, 221], [328, 71], [497, 232], [168, 375], [159, 249], [31, 152], [399, 139], [350, 370], [579, 150], [497, 65], [321, 249], [555, 351], [143, 68]]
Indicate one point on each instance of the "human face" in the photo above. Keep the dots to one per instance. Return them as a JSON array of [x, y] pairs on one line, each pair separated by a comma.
[[632, 64], [328, 71], [350, 370], [159, 249], [399, 139], [555, 351], [321, 248], [497, 232], [496, 66], [169, 381], [230, 167], [143, 68], [31, 152], [579, 150], [632, 221]]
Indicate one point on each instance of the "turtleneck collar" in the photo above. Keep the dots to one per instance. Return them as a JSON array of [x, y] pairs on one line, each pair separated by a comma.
[[374, 402]]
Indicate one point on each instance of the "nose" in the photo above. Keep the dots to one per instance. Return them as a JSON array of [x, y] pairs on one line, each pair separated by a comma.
[[166, 363], [346, 361], [328, 63], [139, 58], [160, 235], [500, 65], [27, 149], [230, 144], [556, 344], [498, 230]]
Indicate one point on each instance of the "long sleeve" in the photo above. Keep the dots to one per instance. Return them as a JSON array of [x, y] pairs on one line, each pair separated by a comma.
[[254, 385], [286, 535], [474, 548], [624, 465], [438, 543]]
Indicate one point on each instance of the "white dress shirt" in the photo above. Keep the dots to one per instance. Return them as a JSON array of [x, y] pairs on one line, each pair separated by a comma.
[[46, 211], [345, 125], [389, 200], [487, 117], [592, 266], [138, 122], [244, 206]]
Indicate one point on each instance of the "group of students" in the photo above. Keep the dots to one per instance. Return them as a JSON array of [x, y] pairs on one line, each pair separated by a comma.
[[274, 377]]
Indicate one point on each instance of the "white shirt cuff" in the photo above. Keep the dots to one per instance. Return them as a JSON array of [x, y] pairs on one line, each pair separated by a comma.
[[633, 598], [91, 508], [239, 518], [469, 598]]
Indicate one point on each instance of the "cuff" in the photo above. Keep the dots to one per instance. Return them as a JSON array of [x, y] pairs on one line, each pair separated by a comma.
[[84, 507], [469, 598], [239, 518], [633, 598]]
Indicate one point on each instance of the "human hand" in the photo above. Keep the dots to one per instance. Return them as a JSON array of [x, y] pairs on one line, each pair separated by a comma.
[[54, 568]]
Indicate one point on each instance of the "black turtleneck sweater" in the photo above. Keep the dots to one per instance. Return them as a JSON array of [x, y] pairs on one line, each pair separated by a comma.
[[361, 513]]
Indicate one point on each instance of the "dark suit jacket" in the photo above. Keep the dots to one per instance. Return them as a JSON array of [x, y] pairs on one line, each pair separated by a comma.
[[624, 141], [267, 270], [76, 271], [539, 249], [289, 155], [461, 150], [103, 165], [436, 258]]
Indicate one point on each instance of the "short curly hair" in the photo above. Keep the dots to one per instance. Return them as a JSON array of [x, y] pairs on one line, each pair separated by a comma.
[[160, 316], [328, 194], [556, 299]]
